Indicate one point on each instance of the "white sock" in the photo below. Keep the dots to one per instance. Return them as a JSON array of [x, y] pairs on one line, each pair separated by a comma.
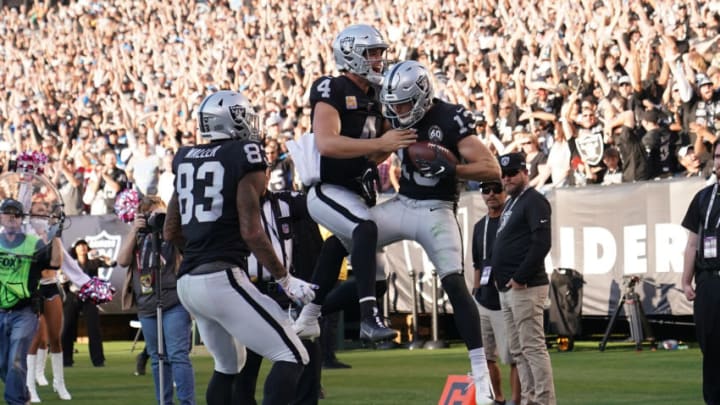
[[478, 362]]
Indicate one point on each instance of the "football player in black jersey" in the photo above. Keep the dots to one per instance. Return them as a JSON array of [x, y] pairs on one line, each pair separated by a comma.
[[424, 208], [347, 122], [214, 217]]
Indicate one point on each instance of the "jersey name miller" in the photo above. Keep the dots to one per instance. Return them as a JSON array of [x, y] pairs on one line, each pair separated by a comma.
[[201, 153]]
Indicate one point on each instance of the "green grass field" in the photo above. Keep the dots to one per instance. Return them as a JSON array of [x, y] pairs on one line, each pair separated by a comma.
[[582, 377]]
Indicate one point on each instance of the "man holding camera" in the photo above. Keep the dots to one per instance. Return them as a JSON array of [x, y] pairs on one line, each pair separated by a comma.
[[150, 284]]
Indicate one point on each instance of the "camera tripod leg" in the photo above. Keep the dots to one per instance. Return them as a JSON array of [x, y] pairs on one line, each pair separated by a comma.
[[611, 324], [635, 318]]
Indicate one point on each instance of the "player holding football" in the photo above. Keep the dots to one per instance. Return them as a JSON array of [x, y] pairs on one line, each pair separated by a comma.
[[424, 208], [347, 122], [214, 217]]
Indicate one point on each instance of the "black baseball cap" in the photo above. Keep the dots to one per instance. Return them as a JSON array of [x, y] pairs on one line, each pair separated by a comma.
[[512, 162], [11, 206]]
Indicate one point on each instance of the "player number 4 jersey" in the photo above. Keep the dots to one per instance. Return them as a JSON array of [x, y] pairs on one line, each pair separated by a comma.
[[360, 118]]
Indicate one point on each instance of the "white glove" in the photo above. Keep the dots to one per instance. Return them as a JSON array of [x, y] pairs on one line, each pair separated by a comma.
[[298, 290]]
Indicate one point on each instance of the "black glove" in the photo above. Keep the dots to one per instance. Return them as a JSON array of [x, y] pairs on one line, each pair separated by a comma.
[[439, 167], [369, 182]]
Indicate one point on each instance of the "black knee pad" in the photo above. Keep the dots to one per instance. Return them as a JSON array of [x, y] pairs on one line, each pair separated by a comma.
[[365, 231], [333, 243]]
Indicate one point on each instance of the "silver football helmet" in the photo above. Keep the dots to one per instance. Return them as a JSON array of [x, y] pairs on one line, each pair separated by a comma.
[[228, 115], [406, 84], [350, 51]]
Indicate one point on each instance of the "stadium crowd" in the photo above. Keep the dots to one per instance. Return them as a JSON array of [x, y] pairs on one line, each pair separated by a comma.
[[109, 90]]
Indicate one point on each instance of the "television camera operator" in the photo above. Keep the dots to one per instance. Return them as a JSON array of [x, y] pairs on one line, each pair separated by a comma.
[[147, 256]]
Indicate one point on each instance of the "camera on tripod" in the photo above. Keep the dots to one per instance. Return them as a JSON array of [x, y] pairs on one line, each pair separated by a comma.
[[638, 323], [154, 223]]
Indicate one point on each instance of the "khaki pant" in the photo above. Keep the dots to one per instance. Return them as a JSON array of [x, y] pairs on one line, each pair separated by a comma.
[[523, 311]]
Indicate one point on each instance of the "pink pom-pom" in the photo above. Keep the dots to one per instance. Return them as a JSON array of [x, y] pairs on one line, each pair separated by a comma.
[[96, 291], [126, 205], [32, 162]]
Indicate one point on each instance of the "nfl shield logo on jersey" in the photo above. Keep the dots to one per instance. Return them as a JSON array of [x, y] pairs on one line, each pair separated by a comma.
[[237, 112], [435, 134]]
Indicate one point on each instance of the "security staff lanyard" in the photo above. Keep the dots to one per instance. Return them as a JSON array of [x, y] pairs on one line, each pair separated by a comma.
[[487, 219], [508, 209], [710, 207], [710, 242], [486, 270]]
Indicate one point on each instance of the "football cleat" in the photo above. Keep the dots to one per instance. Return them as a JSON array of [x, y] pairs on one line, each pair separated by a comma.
[[307, 327], [483, 390], [373, 329]]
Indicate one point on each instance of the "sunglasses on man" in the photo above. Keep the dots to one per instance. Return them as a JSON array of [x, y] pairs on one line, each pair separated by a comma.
[[493, 187], [510, 172]]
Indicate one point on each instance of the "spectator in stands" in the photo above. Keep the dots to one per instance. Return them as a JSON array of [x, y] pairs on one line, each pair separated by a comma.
[[612, 173], [106, 180], [693, 164], [660, 146], [281, 170], [143, 168]]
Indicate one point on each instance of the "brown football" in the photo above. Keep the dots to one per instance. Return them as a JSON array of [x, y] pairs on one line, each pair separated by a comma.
[[425, 150]]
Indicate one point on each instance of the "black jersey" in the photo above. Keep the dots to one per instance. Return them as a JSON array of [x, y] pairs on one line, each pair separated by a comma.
[[360, 118], [661, 152], [206, 181], [444, 124]]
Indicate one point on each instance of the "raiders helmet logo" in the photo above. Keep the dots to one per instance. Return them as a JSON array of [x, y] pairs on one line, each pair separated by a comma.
[[435, 134], [504, 161], [346, 45], [237, 112], [422, 83], [590, 147]]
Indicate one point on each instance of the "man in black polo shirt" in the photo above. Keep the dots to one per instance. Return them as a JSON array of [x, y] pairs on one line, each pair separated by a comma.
[[521, 244], [703, 264]]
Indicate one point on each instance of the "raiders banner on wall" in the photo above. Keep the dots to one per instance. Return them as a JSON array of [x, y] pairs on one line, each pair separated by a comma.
[[606, 233]]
